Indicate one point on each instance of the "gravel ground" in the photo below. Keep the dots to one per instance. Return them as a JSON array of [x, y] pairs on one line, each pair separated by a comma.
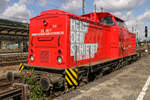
[[123, 84]]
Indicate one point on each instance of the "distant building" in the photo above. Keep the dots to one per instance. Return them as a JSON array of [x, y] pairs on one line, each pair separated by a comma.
[[13, 36]]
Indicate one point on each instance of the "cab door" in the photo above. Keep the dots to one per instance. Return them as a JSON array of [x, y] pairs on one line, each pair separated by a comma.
[[121, 37]]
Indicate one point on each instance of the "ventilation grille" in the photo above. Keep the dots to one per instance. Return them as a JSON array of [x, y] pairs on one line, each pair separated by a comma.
[[44, 56]]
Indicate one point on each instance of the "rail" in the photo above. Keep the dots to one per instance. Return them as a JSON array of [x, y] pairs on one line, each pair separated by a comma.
[[13, 58], [12, 93]]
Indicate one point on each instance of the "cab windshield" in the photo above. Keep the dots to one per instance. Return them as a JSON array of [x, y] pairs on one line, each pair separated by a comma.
[[107, 20]]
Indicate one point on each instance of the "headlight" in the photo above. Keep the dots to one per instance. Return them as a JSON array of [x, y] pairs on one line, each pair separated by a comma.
[[146, 50], [59, 59], [31, 58]]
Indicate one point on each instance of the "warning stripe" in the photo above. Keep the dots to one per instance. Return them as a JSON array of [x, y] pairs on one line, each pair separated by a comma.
[[21, 67], [73, 73], [70, 80], [66, 77], [76, 70], [71, 76]]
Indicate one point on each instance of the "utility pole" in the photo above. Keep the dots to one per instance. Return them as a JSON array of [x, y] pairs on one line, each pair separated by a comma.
[[102, 9], [83, 8], [132, 29], [137, 39], [95, 7]]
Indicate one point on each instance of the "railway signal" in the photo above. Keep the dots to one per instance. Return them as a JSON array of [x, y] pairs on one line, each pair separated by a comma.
[[146, 31]]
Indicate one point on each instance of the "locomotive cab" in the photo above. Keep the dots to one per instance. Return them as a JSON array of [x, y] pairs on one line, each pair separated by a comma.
[[119, 42]]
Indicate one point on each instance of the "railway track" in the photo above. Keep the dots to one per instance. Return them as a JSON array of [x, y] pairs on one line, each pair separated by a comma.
[[4, 84], [13, 58], [8, 92], [12, 62], [15, 94]]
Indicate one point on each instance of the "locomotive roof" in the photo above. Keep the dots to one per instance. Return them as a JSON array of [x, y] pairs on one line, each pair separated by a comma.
[[111, 15], [57, 11], [103, 13]]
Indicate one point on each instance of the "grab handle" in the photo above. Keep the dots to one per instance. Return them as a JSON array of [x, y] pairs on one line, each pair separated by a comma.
[[31, 40]]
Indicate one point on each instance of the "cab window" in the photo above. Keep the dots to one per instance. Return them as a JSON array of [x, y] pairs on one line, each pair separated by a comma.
[[107, 20], [120, 23]]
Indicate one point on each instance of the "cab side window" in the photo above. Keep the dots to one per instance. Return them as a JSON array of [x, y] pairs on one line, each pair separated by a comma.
[[120, 23], [107, 20]]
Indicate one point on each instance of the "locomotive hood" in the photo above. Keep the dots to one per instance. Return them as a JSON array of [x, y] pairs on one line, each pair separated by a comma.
[[54, 11]]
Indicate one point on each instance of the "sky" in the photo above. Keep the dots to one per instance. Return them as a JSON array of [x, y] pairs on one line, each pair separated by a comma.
[[136, 13]]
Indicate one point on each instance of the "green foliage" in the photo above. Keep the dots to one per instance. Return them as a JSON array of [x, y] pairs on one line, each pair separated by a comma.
[[37, 93], [32, 80]]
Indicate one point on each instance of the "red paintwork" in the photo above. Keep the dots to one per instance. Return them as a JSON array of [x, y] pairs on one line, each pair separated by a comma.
[[44, 43]]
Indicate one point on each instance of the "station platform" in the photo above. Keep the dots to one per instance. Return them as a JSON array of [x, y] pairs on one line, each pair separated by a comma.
[[131, 82]]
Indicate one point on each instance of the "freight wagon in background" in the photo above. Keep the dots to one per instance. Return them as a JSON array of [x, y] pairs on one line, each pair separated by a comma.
[[67, 48]]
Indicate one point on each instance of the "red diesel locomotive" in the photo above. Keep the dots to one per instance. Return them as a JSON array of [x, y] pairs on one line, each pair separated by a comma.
[[56, 38], [67, 48]]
